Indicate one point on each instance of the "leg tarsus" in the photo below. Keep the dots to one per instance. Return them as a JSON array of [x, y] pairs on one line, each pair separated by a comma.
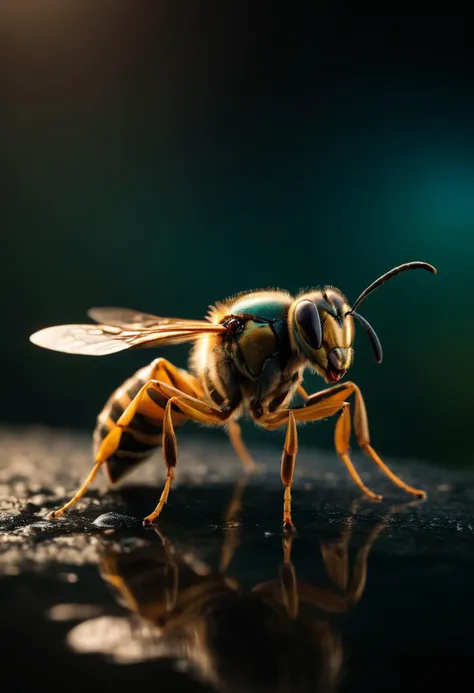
[[361, 429], [356, 478], [288, 526], [419, 493], [288, 461], [54, 514], [149, 520]]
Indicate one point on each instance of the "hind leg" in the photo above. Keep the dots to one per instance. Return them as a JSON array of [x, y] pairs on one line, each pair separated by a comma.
[[142, 407]]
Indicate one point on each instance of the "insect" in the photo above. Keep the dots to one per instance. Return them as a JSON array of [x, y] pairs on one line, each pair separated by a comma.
[[249, 356]]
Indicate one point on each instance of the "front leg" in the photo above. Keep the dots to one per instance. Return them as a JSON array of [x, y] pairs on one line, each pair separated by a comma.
[[361, 429], [314, 409], [329, 403], [288, 460]]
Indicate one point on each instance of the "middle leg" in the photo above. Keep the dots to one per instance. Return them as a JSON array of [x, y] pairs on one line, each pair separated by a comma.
[[288, 460], [361, 429], [192, 408], [235, 437], [312, 410]]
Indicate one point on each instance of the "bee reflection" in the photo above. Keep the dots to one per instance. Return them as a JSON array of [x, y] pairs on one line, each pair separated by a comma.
[[279, 636]]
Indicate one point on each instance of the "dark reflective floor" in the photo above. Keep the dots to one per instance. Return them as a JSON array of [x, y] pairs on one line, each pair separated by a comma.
[[365, 597]]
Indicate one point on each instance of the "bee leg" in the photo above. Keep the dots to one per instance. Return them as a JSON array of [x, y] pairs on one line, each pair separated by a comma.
[[170, 444], [361, 429], [320, 406], [317, 410], [342, 436], [288, 460], [229, 377], [108, 447], [54, 514], [161, 368], [343, 433], [235, 437], [232, 513], [190, 407], [170, 456], [302, 392]]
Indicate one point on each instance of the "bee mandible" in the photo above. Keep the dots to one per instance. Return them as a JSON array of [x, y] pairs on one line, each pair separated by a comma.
[[249, 356]]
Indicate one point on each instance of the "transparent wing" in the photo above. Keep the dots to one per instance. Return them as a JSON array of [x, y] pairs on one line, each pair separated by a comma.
[[129, 319], [122, 329]]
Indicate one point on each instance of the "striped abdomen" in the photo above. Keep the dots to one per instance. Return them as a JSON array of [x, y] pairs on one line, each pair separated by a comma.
[[144, 433]]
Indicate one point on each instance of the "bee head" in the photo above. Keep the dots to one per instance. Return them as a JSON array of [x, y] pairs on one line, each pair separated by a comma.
[[322, 326], [322, 331]]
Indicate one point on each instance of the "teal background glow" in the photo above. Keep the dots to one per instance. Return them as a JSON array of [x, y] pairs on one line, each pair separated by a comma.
[[164, 160]]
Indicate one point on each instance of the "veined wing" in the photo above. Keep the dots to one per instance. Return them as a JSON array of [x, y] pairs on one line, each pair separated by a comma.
[[121, 329], [129, 319]]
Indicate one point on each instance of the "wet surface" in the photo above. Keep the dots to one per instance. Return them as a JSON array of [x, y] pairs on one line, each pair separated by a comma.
[[366, 596]]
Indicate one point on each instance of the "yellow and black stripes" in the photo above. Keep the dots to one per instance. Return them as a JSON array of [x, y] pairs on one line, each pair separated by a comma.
[[144, 432]]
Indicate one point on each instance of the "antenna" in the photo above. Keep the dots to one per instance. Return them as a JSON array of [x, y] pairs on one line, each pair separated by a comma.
[[385, 277]]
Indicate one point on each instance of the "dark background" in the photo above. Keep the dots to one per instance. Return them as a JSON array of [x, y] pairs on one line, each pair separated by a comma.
[[164, 155]]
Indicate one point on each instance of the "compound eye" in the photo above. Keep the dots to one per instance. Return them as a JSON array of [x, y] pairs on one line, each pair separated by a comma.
[[309, 324]]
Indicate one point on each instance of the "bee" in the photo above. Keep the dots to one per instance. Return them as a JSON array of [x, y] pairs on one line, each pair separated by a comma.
[[249, 357]]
